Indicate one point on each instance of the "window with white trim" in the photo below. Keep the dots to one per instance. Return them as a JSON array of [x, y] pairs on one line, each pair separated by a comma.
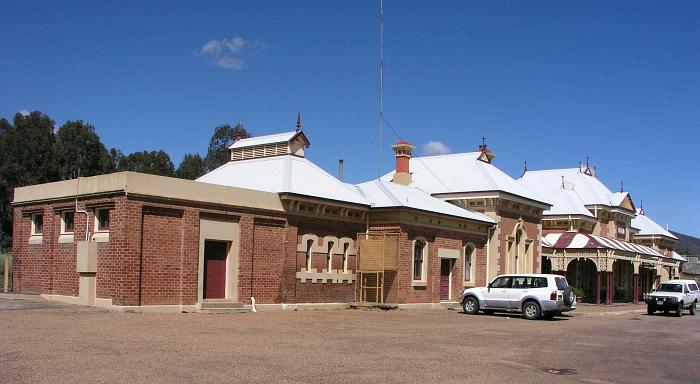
[[419, 260], [346, 247], [37, 224], [309, 245], [102, 220], [67, 222], [329, 256], [469, 263]]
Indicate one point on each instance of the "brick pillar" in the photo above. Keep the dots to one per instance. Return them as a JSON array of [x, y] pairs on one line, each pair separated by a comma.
[[636, 289], [597, 296]]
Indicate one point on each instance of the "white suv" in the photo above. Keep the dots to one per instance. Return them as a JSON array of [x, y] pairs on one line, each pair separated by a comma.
[[534, 295], [674, 295]]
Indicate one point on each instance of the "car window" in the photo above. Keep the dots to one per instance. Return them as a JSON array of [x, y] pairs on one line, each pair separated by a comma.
[[561, 282], [520, 282], [501, 282], [693, 287], [677, 288], [539, 282]]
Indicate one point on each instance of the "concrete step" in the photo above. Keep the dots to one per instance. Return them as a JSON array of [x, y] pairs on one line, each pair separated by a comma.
[[221, 304], [221, 311]]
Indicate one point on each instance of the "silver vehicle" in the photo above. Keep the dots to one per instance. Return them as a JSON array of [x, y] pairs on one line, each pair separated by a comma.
[[535, 295]]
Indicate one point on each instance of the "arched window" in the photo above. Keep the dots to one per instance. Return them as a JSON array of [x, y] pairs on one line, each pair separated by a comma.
[[309, 245], [329, 256], [419, 260], [516, 250], [345, 257], [469, 263]]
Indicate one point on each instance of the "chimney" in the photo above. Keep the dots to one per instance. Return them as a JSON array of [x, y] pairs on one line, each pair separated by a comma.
[[340, 169], [403, 150]]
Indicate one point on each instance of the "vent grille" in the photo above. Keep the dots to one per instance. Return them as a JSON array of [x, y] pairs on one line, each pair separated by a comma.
[[259, 151]]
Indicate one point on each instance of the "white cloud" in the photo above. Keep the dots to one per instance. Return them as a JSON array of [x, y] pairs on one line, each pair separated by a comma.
[[230, 63], [229, 53], [432, 148], [24, 112]]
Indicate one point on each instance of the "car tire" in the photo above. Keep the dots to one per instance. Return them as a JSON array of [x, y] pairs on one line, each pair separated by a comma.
[[470, 306], [569, 296], [692, 309], [679, 310], [531, 310], [650, 310]]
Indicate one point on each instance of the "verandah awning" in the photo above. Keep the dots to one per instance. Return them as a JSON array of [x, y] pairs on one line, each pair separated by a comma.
[[575, 240]]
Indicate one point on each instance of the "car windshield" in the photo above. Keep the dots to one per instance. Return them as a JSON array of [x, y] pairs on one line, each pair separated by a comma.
[[670, 288]]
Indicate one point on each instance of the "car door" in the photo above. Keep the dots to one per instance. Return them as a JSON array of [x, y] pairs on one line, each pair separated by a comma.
[[496, 295], [519, 288]]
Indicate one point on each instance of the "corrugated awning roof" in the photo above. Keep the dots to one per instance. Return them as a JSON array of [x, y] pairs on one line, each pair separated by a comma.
[[575, 240]]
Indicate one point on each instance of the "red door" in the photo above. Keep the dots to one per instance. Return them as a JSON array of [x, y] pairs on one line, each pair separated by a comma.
[[215, 269], [445, 268]]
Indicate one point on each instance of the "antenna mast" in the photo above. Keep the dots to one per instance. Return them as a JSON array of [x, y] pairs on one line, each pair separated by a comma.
[[381, 83]]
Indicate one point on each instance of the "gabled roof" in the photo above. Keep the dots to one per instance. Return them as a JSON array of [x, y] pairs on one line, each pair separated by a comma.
[[384, 194], [648, 227], [463, 172], [268, 139], [589, 188], [576, 240], [567, 202], [676, 256], [283, 174]]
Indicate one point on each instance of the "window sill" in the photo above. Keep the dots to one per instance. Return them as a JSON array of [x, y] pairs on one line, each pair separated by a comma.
[[419, 283], [36, 239], [66, 238], [469, 284], [100, 237]]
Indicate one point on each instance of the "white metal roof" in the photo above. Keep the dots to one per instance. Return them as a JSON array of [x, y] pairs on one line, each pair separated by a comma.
[[261, 140], [283, 174], [567, 202], [384, 194], [589, 189], [462, 172], [648, 227], [677, 256]]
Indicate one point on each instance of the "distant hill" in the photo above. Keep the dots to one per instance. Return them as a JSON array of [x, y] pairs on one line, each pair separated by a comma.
[[687, 245]]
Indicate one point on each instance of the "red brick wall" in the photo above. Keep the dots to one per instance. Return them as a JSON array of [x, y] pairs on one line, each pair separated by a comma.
[[152, 256], [507, 227]]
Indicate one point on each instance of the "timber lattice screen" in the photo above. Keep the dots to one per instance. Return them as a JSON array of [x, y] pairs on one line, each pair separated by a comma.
[[377, 254]]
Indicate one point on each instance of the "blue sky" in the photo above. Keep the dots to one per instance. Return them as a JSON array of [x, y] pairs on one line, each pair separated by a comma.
[[547, 82]]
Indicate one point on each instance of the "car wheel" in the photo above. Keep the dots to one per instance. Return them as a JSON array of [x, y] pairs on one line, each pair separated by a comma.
[[470, 306], [531, 310], [692, 309], [650, 310], [679, 310]]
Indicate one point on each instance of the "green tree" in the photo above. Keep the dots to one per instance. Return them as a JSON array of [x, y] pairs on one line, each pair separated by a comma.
[[153, 162], [26, 157], [191, 167], [223, 137], [79, 151]]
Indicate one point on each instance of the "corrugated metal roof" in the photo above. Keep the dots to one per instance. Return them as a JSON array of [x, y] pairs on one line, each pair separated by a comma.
[[383, 194], [462, 172], [261, 140], [575, 240], [647, 226], [590, 190], [283, 174]]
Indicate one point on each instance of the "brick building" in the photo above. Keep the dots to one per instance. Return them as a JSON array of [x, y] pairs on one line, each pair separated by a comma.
[[471, 181], [589, 235], [268, 225]]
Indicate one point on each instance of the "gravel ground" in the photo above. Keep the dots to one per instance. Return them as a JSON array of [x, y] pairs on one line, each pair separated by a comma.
[[55, 343]]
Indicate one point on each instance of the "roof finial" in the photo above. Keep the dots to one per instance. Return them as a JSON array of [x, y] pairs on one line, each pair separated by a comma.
[[580, 164], [587, 166], [525, 165], [622, 185], [641, 207], [299, 121], [562, 182], [483, 142]]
